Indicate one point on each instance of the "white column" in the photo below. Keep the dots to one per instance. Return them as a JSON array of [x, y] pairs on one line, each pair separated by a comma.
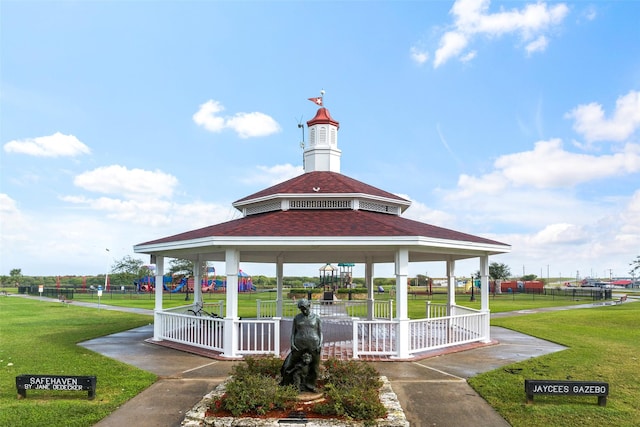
[[159, 262], [368, 282], [279, 276], [484, 283], [402, 310], [451, 284], [232, 267], [197, 278], [484, 295]]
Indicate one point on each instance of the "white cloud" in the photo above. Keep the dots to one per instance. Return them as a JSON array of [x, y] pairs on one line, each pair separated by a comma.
[[548, 165], [142, 197], [271, 175], [452, 44], [630, 221], [246, 125], [606, 236], [13, 223], [562, 233], [420, 212], [419, 56], [8, 206], [472, 19], [207, 118], [590, 119], [538, 45], [56, 145], [137, 184]]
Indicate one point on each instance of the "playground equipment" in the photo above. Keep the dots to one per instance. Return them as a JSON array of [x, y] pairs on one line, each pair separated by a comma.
[[244, 282], [183, 283], [328, 281], [346, 274]]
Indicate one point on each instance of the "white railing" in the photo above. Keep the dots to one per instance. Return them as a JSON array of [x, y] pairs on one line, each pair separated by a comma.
[[440, 332], [259, 336], [383, 309], [380, 337], [370, 337], [210, 307], [254, 336], [353, 308], [374, 337], [215, 307], [197, 331], [458, 310], [436, 310]]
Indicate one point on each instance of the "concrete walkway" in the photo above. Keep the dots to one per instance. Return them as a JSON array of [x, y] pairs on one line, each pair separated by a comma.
[[432, 391]]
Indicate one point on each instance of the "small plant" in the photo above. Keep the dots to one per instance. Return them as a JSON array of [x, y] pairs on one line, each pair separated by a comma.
[[351, 390], [256, 395], [268, 366], [254, 388]]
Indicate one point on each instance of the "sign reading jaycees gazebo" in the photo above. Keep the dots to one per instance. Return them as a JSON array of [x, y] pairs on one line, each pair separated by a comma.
[[567, 388], [55, 383]]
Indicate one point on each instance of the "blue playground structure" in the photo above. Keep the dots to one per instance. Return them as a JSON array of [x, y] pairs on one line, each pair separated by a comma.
[[182, 283]]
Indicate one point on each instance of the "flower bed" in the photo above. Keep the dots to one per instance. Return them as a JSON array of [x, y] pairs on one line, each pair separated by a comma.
[[200, 415]]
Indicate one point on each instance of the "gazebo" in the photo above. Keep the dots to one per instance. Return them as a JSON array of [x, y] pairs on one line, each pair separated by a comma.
[[320, 217]]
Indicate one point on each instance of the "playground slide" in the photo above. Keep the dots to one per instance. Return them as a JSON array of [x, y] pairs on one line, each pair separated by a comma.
[[214, 286], [178, 288]]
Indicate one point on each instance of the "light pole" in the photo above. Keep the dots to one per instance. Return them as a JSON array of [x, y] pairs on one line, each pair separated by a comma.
[[106, 275], [473, 285]]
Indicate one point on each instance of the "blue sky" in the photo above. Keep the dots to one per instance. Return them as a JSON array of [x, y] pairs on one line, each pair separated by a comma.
[[122, 122]]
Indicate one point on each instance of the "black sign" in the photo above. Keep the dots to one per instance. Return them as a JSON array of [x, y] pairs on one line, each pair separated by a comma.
[[55, 383], [567, 388]]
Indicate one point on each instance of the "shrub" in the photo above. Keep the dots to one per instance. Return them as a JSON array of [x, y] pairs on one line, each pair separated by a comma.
[[350, 373], [254, 388], [256, 395], [268, 366], [351, 390]]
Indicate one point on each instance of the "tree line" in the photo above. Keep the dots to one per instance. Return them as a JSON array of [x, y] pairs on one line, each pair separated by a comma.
[[126, 270]]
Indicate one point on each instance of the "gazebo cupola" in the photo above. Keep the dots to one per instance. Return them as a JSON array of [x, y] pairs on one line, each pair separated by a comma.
[[322, 153]]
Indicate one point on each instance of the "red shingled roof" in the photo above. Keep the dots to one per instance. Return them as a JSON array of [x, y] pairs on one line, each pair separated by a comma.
[[319, 182], [326, 223], [323, 117]]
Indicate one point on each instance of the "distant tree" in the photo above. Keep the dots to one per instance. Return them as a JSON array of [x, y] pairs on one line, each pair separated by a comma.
[[635, 266], [529, 277], [16, 275], [498, 271], [127, 269], [181, 266]]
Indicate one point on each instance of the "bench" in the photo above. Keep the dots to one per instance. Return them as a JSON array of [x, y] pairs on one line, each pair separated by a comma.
[[64, 300], [620, 300]]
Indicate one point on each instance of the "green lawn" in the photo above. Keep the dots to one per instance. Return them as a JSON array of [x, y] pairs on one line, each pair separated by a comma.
[[417, 303], [604, 345], [39, 337]]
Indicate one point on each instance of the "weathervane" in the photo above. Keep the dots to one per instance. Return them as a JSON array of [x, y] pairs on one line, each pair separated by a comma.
[[318, 100]]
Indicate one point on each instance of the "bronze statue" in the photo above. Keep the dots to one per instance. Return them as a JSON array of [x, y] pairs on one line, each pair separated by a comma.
[[302, 365]]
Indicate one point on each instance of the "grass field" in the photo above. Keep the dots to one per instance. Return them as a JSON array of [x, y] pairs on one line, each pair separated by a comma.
[[40, 337], [417, 303], [604, 345]]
